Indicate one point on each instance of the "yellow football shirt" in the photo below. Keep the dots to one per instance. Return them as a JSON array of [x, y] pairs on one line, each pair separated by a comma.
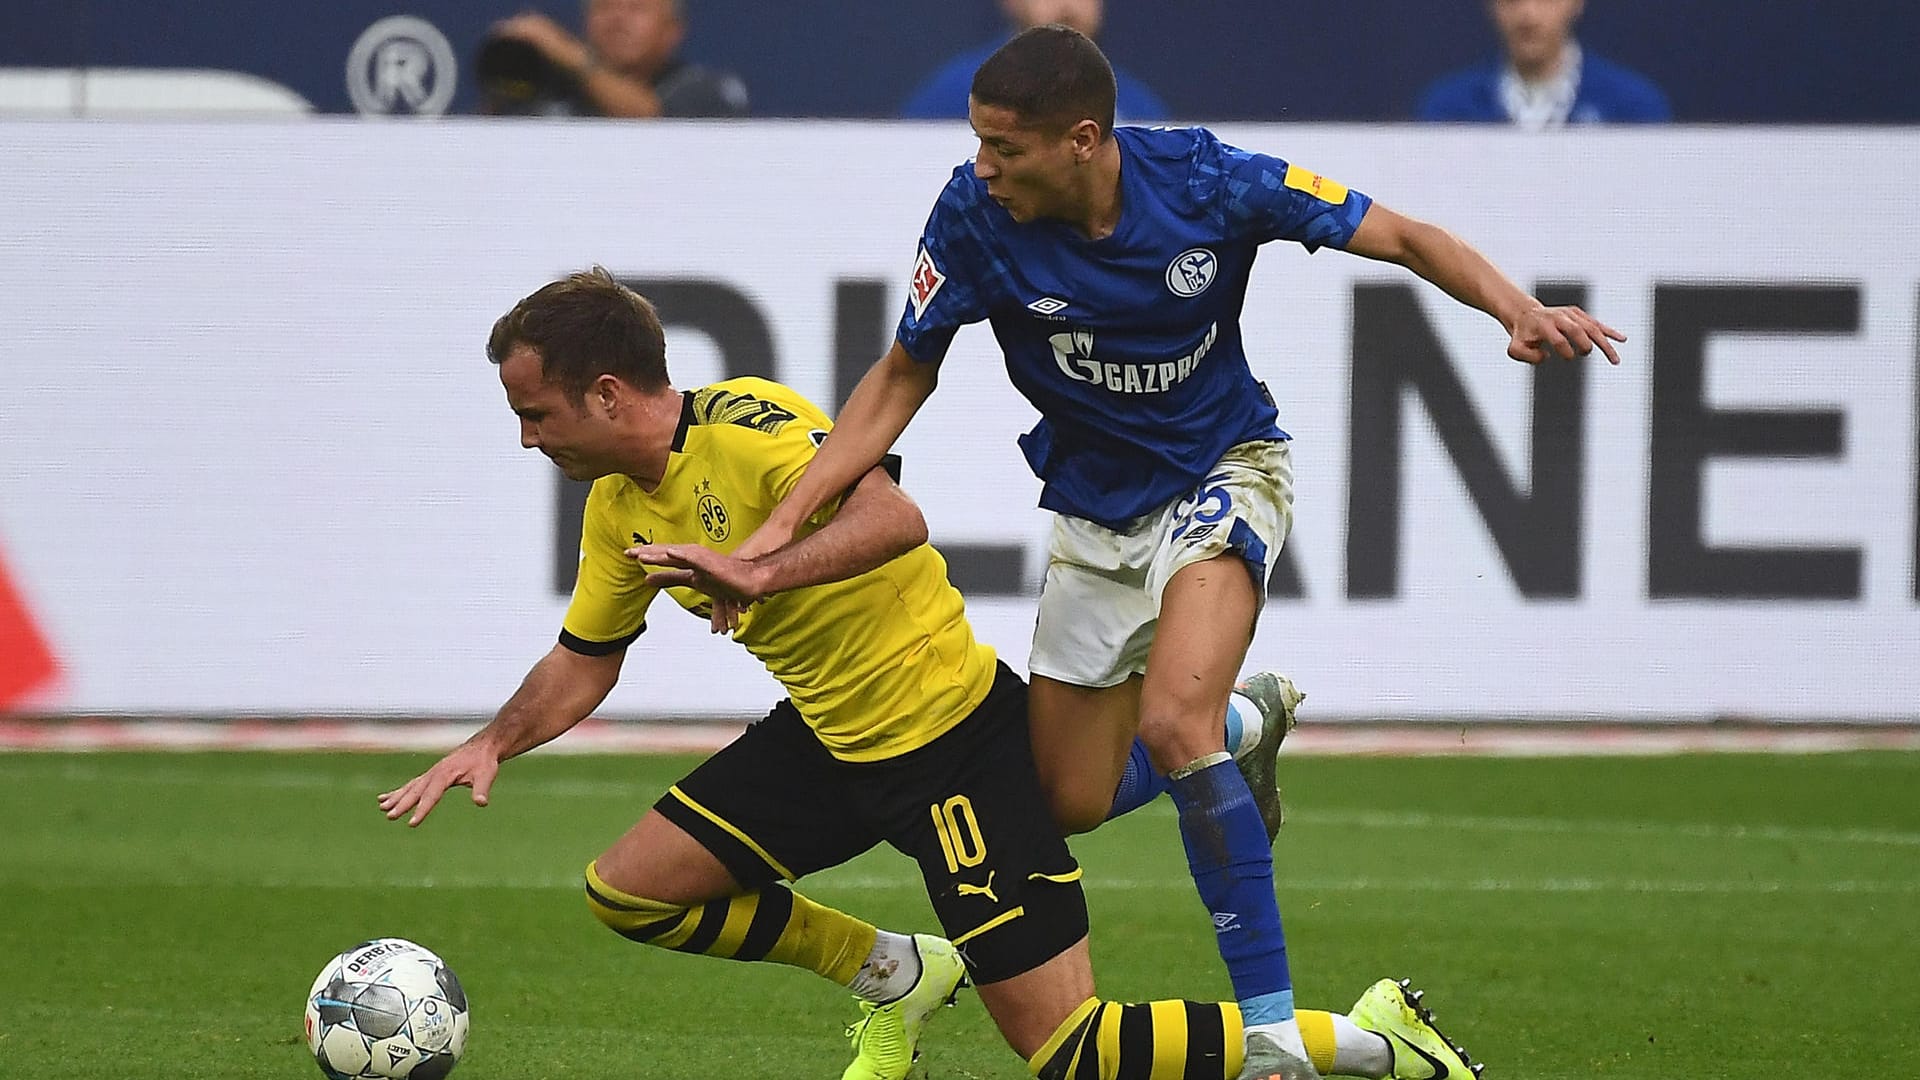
[[878, 665]]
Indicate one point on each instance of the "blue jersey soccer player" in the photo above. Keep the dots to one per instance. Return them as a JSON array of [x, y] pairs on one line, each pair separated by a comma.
[[1112, 265]]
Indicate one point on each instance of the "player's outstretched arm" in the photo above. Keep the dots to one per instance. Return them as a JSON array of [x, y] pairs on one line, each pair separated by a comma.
[[877, 523], [877, 411], [558, 693], [1537, 331]]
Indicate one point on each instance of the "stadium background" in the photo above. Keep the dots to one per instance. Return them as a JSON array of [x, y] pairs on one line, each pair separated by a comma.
[[1786, 61], [1727, 524]]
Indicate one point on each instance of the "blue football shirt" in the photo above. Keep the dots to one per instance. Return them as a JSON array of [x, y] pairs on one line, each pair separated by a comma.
[[1128, 345]]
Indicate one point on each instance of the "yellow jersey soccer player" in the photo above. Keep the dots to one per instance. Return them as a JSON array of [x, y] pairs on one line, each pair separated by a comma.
[[898, 727]]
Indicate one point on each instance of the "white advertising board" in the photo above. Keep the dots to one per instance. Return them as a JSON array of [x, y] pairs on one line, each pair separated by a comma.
[[254, 460]]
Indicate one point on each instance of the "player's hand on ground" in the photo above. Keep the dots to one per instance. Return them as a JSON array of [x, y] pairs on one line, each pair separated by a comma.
[[1566, 332], [732, 582], [471, 766]]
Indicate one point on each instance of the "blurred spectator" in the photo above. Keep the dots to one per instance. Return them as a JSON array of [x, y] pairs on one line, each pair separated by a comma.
[[1546, 79], [944, 95], [628, 66]]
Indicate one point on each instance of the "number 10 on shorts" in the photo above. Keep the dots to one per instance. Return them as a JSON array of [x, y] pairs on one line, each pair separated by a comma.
[[959, 833]]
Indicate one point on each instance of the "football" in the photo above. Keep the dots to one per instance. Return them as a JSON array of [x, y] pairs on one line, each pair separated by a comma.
[[386, 1008]]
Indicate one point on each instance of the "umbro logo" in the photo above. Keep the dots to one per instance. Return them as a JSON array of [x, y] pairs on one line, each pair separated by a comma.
[[1047, 305], [1225, 920]]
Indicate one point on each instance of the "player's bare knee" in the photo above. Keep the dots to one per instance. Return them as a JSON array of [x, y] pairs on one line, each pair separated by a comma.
[[1032, 1007], [1177, 734], [1078, 809]]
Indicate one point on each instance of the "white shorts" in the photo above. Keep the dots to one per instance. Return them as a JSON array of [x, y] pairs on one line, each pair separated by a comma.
[[1101, 600]]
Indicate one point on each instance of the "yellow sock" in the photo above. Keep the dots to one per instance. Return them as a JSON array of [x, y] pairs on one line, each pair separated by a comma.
[[1155, 1040], [775, 924], [1316, 1030]]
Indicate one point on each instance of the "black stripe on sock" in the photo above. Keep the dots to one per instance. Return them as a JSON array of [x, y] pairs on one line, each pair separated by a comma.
[[644, 933], [1206, 1039], [769, 922], [1136, 1043], [1056, 1066], [713, 919], [1090, 1056], [614, 904], [653, 930]]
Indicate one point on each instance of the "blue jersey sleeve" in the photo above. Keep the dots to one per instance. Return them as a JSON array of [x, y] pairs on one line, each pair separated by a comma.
[[1263, 198], [947, 290]]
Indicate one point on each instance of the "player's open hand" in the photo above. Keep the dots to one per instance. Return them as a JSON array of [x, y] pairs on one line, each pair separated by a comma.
[[471, 765], [1566, 332], [730, 581]]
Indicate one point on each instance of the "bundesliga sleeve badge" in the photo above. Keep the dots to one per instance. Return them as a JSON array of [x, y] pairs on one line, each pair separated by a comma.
[[1327, 191], [927, 280]]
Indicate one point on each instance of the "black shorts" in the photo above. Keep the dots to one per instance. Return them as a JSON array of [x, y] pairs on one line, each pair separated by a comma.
[[774, 804]]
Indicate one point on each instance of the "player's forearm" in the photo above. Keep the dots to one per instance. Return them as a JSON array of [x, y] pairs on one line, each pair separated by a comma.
[[875, 525], [559, 692], [1464, 274], [876, 413]]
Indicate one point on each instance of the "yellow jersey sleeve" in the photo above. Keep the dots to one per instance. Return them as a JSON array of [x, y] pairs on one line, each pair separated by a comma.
[[611, 594]]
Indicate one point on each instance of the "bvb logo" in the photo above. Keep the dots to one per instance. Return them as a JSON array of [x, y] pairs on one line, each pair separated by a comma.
[[713, 518]]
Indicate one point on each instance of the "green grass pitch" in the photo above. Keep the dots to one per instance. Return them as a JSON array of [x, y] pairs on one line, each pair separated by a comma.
[[1739, 916]]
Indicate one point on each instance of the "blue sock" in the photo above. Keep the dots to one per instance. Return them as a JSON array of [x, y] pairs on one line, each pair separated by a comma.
[[1232, 866], [1139, 785]]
